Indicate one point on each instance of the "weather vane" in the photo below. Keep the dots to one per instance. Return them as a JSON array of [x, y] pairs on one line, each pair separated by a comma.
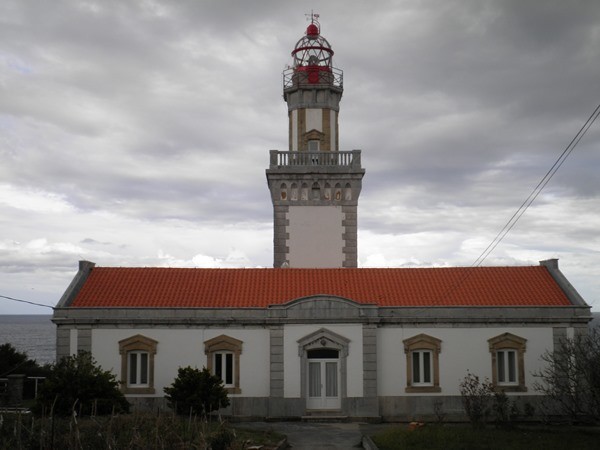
[[312, 17]]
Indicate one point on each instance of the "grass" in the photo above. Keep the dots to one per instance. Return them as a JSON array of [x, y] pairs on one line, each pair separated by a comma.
[[129, 431], [465, 437], [267, 438]]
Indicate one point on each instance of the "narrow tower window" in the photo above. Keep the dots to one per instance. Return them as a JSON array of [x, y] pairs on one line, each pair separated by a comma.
[[338, 191], [348, 192], [304, 192], [316, 191], [283, 191]]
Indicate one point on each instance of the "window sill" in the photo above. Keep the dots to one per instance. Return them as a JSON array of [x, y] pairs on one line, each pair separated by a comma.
[[422, 389], [138, 390], [510, 388], [233, 390]]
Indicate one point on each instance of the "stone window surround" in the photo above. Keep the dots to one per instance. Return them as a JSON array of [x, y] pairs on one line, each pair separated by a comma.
[[224, 343], [509, 341], [423, 342], [137, 343]]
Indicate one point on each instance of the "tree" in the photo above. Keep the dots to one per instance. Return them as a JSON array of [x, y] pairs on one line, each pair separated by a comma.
[[570, 379], [197, 391], [14, 361], [78, 383]]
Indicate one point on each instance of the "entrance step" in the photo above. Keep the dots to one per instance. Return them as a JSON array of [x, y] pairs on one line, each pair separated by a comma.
[[324, 417]]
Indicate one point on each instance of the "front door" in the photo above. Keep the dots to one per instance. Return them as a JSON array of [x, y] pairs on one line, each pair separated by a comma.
[[323, 379]]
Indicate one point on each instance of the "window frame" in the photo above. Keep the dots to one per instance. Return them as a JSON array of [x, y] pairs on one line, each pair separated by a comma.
[[422, 344], [139, 365], [224, 344], [224, 356], [422, 368], [508, 343], [139, 345]]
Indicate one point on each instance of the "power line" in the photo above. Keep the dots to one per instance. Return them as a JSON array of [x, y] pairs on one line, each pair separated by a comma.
[[25, 301], [538, 189], [528, 201]]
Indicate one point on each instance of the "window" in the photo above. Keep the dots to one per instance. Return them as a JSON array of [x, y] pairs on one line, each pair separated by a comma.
[[421, 368], [223, 365], [508, 355], [422, 363], [507, 369], [313, 145], [223, 359], [138, 369], [137, 364]]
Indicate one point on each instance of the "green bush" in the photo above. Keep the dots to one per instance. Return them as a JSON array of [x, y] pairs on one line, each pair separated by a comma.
[[77, 384], [196, 391]]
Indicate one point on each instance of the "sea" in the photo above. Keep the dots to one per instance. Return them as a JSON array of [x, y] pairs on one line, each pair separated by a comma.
[[32, 334]]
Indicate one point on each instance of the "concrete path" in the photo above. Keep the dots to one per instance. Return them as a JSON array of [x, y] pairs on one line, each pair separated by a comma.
[[318, 436]]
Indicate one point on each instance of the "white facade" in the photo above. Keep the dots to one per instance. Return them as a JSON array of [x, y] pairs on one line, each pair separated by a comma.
[[185, 347], [462, 350]]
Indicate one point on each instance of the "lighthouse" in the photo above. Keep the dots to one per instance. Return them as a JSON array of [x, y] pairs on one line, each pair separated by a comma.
[[314, 186]]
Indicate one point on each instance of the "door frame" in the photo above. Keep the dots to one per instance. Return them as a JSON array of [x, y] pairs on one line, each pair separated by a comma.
[[324, 339]]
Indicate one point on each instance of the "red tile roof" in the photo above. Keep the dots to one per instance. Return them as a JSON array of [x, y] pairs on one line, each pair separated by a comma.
[[245, 288]]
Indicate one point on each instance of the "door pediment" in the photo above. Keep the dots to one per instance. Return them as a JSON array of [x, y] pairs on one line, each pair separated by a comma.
[[323, 338]]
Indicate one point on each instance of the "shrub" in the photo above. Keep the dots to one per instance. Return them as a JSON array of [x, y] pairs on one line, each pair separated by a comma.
[[481, 401], [196, 391], [476, 396], [571, 378], [77, 384], [505, 410], [221, 438]]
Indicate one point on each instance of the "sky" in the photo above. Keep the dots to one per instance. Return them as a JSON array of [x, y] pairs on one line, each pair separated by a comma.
[[137, 133]]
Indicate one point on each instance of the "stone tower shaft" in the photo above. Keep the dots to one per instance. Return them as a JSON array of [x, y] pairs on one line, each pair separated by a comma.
[[314, 186]]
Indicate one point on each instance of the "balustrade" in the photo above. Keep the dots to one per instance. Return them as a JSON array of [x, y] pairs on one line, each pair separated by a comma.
[[336, 159]]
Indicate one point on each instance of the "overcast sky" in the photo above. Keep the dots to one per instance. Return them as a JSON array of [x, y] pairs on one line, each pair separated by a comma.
[[136, 133]]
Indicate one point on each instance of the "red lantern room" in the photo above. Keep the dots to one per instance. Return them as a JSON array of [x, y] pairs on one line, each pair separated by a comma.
[[313, 60]]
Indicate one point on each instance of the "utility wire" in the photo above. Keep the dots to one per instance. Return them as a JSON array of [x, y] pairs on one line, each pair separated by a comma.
[[538, 189], [528, 201], [26, 301]]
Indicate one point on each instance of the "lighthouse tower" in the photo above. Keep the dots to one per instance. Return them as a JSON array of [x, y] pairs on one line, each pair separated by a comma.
[[314, 186]]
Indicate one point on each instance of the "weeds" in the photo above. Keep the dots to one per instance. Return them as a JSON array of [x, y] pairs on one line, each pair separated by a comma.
[[134, 431]]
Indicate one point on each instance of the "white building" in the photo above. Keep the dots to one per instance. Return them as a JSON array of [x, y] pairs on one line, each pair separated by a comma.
[[315, 334]]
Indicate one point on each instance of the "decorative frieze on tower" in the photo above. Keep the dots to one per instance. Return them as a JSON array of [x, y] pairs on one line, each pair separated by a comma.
[[314, 186]]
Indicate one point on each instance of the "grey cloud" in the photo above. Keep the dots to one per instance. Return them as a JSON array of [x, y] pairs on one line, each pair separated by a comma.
[[157, 112]]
